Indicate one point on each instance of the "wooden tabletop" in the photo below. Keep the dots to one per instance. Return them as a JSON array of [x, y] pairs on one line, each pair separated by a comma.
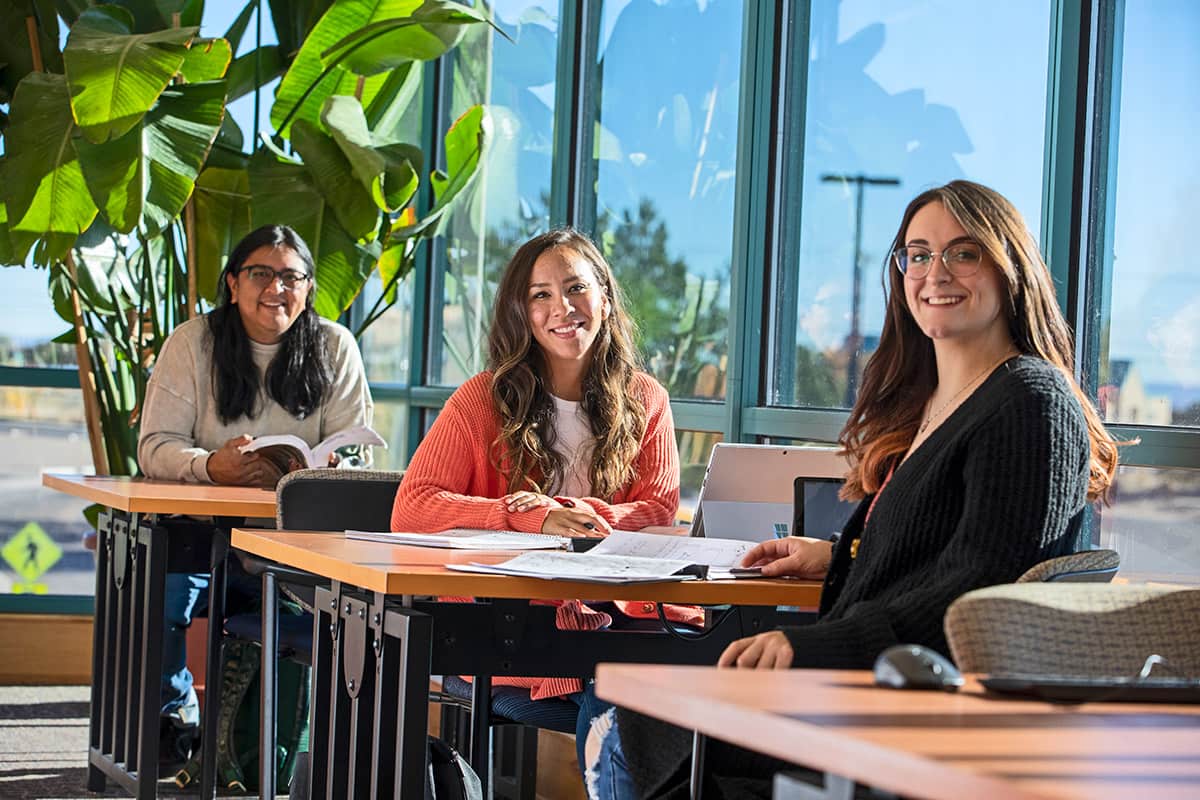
[[928, 744], [400, 569], [144, 496]]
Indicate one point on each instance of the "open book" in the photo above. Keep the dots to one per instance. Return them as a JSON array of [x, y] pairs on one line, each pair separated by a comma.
[[290, 452], [467, 539], [628, 557]]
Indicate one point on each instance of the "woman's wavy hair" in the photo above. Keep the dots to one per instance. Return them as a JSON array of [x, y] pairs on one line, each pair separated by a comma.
[[616, 413], [902, 374], [297, 377]]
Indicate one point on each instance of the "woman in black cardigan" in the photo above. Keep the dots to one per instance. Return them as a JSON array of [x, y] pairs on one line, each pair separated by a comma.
[[974, 454]]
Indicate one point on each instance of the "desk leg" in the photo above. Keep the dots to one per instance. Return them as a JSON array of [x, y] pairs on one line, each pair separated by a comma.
[[149, 582], [404, 639], [696, 784], [217, 562], [122, 674], [270, 646], [323, 667], [101, 695], [481, 731]]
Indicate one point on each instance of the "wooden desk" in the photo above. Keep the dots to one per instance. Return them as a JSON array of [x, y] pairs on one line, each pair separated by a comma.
[[376, 641], [131, 566], [926, 744]]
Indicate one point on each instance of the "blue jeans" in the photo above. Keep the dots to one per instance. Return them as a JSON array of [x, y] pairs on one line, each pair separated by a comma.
[[608, 776], [186, 593], [515, 703]]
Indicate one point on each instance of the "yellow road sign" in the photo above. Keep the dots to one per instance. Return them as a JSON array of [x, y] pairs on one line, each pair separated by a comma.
[[30, 552]]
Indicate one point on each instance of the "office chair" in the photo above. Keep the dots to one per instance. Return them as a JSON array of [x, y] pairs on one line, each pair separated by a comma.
[[1087, 566], [1066, 629]]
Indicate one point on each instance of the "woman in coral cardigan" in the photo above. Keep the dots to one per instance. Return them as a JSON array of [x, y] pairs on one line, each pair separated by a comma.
[[562, 434]]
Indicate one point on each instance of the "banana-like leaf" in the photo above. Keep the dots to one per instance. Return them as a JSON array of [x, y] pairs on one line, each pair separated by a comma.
[[285, 193], [70, 10], [44, 187], [146, 176], [464, 144], [59, 287], [222, 203], [293, 20], [14, 245], [206, 60], [389, 174], [333, 174], [237, 28], [116, 78], [385, 114], [156, 15], [395, 263], [428, 32], [308, 82], [241, 78], [15, 52]]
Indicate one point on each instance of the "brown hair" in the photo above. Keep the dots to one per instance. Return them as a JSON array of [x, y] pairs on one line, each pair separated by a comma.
[[901, 374], [615, 410]]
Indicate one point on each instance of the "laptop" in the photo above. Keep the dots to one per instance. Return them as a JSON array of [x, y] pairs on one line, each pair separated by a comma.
[[750, 492]]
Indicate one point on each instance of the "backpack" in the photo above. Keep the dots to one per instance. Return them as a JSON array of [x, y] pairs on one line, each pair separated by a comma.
[[238, 720], [450, 776]]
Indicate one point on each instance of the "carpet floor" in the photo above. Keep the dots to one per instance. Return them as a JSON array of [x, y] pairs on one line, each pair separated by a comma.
[[43, 745]]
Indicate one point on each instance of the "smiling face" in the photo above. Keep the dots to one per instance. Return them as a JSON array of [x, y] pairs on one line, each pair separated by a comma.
[[268, 312], [947, 306], [566, 306]]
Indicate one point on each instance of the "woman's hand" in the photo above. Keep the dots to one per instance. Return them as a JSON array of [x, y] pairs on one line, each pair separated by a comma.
[[518, 502], [230, 467], [795, 556], [765, 651], [578, 521]]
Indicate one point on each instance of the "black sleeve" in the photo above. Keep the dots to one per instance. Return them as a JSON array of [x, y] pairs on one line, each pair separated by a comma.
[[1025, 479]]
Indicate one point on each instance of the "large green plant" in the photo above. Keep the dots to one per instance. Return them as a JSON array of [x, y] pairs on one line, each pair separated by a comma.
[[124, 175]]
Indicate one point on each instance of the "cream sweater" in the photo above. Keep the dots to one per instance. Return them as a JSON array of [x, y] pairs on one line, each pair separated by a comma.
[[180, 426]]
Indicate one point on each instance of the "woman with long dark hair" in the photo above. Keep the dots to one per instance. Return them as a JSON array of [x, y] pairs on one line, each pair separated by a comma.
[[261, 362], [973, 451], [562, 433]]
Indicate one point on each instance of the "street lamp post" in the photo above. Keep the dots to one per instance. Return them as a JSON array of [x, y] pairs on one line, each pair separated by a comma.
[[855, 340]]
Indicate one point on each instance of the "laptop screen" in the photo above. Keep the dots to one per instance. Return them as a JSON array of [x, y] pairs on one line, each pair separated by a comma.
[[818, 512]]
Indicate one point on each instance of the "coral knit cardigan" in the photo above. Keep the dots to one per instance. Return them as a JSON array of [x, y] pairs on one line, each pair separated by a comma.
[[452, 483]]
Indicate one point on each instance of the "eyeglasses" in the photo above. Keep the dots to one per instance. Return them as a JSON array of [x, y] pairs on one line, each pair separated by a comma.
[[915, 261], [263, 277]]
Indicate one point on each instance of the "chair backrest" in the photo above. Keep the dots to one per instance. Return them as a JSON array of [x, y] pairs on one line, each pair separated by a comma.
[[1088, 566], [336, 499], [1086, 629]]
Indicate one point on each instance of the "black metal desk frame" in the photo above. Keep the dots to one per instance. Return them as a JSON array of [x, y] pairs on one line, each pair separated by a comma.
[[373, 655], [132, 560]]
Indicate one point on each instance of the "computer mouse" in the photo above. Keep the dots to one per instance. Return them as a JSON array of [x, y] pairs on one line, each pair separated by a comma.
[[912, 666]]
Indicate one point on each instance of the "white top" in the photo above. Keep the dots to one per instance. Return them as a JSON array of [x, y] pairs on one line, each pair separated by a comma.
[[575, 443]]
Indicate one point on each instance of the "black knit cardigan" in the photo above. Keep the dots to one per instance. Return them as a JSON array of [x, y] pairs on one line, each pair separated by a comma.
[[998, 487]]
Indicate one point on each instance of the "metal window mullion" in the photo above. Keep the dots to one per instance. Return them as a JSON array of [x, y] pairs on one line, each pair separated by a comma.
[[577, 81], [753, 213], [40, 377]]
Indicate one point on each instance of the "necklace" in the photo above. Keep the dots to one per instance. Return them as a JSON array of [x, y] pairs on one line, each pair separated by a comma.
[[987, 371]]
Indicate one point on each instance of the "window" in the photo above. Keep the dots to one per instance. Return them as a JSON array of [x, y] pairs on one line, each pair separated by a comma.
[[391, 420], [1149, 312], [665, 148], [898, 100], [28, 324], [695, 447], [41, 531], [509, 200], [1152, 524]]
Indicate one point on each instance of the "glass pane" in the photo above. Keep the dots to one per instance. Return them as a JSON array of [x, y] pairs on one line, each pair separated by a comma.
[[28, 322], [666, 147], [1150, 311], [694, 449], [1152, 524], [891, 110], [509, 200], [41, 531], [391, 420], [386, 344]]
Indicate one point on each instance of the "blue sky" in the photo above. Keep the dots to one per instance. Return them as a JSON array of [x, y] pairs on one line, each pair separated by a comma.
[[926, 91]]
